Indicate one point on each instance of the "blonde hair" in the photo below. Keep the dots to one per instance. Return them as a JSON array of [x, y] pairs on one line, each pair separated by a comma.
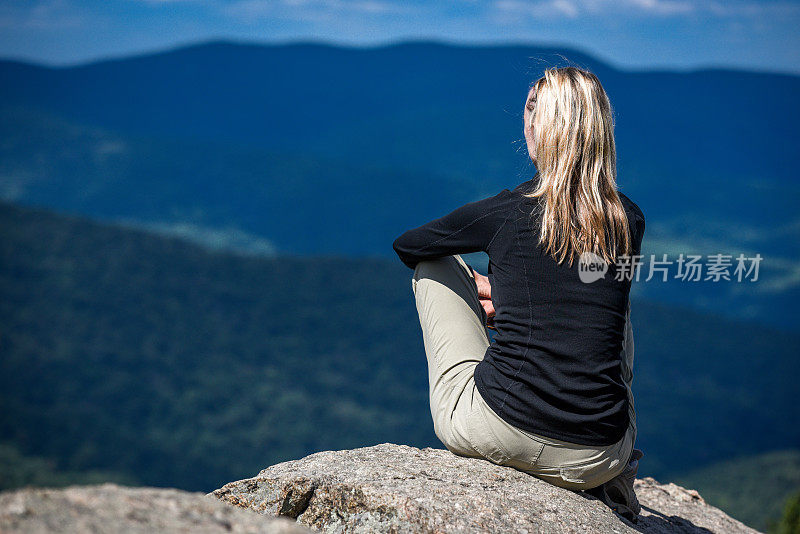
[[574, 152]]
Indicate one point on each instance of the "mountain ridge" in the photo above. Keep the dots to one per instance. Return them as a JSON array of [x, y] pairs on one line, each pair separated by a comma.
[[544, 48], [277, 142]]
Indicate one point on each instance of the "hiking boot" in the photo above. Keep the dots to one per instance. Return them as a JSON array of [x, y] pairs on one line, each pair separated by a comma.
[[618, 492]]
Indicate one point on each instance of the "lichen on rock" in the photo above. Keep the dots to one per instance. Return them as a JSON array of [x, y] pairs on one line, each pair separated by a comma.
[[396, 488], [113, 509], [384, 488]]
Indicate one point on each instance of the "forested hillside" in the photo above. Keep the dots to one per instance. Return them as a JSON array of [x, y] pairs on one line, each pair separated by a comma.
[[163, 363], [754, 489], [317, 149]]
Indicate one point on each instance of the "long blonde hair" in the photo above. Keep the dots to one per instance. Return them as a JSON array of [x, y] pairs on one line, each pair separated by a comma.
[[572, 145]]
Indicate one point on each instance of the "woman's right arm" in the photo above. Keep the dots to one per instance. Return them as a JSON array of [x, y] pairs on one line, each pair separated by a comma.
[[469, 228]]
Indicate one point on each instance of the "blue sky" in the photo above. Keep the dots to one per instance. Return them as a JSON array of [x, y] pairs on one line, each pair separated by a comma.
[[760, 35]]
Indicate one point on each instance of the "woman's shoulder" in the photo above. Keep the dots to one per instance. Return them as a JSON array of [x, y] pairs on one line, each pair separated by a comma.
[[518, 197], [507, 200], [631, 206], [636, 219], [528, 186]]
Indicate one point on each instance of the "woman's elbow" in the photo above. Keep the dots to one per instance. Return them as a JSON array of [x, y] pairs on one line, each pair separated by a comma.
[[404, 252]]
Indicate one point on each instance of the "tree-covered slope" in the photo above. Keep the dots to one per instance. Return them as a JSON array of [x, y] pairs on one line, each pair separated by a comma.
[[367, 142], [127, 352], [146, 355], [754, 489]]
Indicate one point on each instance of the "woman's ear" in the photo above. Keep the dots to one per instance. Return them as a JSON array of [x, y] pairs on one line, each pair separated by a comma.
[[529, 135]]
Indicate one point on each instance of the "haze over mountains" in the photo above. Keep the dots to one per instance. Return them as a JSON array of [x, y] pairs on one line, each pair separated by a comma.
[[314, 149], [141, 358], [149, 360]]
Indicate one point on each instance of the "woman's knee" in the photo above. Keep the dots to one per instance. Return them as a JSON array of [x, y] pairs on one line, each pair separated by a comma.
[[437, 268], [451, 272]]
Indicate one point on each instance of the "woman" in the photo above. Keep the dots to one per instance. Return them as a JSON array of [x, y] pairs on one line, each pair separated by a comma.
[[551, 395]]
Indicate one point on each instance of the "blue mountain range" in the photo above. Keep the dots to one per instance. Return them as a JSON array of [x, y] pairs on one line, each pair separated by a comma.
[[316, 149]]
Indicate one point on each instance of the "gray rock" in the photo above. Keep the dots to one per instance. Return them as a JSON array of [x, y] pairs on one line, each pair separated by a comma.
[[395, 488], [113, 509]]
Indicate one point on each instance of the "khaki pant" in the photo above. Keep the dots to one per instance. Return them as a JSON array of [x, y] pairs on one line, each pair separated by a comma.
[[455, 338]]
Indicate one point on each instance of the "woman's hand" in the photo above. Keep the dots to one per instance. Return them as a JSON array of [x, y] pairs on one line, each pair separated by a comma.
[[485, 297]]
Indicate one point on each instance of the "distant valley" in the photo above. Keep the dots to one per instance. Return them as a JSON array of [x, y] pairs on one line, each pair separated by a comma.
[[146, 359], [313, 149]]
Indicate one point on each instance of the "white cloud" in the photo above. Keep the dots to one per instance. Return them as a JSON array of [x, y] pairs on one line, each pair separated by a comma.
[[546, 9], [661, 8], [575, 8], [41, 15], [565, 6], [507, 9], [750, 9], [250, 10]]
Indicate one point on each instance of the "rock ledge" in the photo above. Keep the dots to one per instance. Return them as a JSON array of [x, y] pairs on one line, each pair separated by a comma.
[[113, 509], [396, 488]]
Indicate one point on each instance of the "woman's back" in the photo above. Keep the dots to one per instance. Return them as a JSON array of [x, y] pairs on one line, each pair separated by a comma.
[[554, 367], [552, 394]]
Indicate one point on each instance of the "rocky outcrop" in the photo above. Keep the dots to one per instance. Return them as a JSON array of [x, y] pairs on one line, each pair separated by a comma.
[[395, 488], [113, 509], [386, 488]]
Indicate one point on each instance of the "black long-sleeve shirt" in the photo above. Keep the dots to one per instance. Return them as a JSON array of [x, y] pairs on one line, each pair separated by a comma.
[[554, 367]]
